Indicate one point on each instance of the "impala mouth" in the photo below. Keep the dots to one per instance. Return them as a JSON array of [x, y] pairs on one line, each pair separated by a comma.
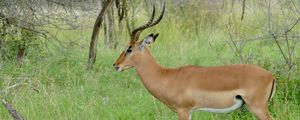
[[119, 69]]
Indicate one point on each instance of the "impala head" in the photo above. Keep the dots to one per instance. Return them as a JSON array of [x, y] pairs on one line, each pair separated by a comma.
[[136, 48]]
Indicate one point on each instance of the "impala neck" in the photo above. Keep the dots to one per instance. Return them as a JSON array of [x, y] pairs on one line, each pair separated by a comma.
[[150, 72]]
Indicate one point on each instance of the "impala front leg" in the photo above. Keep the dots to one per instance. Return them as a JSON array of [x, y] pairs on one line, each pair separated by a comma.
[[184, 114]]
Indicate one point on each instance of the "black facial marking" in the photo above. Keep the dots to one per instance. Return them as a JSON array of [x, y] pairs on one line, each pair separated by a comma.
[[155, 36]]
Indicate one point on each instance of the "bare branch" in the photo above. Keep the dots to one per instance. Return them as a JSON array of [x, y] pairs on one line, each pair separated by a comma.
[[293, 25], [12, 86], [278, 45], [12, 110]]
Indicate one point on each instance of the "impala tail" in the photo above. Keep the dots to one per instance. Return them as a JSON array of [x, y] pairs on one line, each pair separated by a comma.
[[273, 89]]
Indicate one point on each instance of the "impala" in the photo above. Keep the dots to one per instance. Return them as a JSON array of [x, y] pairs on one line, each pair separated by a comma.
[[219, 89]]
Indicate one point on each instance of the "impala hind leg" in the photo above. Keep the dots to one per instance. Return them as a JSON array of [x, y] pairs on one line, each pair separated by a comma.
[[259, 107], [184, 114], [261, 113]]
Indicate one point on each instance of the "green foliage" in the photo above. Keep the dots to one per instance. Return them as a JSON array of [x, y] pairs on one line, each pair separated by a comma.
[[13, 38]]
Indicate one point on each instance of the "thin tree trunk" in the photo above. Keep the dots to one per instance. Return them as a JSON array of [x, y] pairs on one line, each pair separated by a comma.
[[130, 23], [105, 29], [121, 9], [21, 54], [2, 36], [95, 34], [111, 28]]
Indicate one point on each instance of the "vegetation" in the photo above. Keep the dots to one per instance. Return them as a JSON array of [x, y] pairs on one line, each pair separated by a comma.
[[52, 82]]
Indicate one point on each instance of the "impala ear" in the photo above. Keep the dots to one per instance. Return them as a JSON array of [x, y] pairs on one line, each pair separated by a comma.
[[148, 40]]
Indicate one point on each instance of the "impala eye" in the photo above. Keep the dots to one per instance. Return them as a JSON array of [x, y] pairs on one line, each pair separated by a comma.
[[129, 50]]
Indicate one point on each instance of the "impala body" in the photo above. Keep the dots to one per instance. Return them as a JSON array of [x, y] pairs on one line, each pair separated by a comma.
[[186, 89]]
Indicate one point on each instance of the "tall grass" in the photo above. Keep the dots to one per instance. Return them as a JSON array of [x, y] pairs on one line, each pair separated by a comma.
[[59, 88]]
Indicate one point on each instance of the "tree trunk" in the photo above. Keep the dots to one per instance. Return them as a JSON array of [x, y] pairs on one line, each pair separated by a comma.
[[111, 28], [2, 36], [21, 54], [105, 29], [120, 15], [130, 23], [94, 38]]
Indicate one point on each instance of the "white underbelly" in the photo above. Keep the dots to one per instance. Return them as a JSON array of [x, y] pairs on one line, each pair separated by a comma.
[[238, 102]]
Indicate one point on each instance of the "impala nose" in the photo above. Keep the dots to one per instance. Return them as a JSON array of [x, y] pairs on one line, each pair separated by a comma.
[[116, 67]]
